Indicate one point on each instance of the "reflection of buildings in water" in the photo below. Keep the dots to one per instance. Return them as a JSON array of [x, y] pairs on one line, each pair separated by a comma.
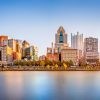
[[41, 83], [56, 85], [14, 84], [59, 84]]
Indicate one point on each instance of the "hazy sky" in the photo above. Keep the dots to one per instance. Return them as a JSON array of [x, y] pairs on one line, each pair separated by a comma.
[[38, 20]]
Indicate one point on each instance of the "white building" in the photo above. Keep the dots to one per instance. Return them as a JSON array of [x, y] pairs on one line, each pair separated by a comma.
[[77, 41]]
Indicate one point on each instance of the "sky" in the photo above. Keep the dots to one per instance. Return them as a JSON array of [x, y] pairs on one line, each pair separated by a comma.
[[37, 21]]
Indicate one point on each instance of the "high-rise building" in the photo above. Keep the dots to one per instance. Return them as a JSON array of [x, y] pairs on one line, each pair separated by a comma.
[[77, 41], [16, 46], [60, 38], [6, 55], [19, 42], [12, 44], [35, 57], [60, 41], [61, 51], [16, 49], [31, 53], [25, 45], [19, 49], [2, 39], [91, 50]]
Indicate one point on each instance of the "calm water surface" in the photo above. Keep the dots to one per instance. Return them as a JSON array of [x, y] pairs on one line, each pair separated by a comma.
[[50, 85]]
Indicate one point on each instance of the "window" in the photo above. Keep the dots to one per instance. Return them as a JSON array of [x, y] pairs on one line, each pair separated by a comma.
[[61, 38]]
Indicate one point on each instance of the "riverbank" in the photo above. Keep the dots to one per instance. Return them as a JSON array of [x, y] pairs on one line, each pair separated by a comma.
[[36, 68]]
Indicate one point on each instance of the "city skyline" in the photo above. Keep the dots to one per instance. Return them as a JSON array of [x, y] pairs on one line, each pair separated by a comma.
[[28, 19]]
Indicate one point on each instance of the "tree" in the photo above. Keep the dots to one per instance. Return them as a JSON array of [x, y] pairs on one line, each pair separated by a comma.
[[33, 63], [42, 63], [71, 63], [48, 66], [15, 63], [28, 63], [37, 63], [65, 66], [56, 66]]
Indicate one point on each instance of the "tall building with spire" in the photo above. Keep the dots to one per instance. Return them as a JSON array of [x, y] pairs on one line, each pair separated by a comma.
[[54, 52], [60, 38], [61, 51]]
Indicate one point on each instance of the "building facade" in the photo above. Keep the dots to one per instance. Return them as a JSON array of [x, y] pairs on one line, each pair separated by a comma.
[[77, 41], [91, 54], [69, 54], [25, 45], [61, 51], [6, 55], [52, 54], [31, 53], [60, 38], [16, 47], [2, 39]]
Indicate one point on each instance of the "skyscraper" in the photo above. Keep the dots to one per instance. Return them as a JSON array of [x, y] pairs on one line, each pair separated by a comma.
[[25, 45], [61, 51], [54, 53], [6, 55], [60, 38], [91, 50], [77, 41]]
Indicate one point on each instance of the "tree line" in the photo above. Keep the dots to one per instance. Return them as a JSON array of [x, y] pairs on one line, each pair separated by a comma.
[[42, 63]]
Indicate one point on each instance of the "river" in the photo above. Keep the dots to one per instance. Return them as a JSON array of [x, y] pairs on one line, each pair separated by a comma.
[[50, 85]]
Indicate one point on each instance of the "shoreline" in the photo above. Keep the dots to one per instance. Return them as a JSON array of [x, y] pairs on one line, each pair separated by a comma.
[[48, 70], [44, 69]]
